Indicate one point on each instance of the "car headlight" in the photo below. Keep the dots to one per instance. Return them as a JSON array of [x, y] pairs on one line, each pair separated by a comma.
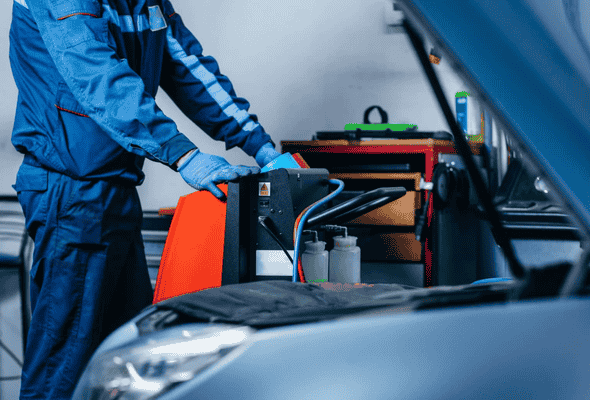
[[155, 364]]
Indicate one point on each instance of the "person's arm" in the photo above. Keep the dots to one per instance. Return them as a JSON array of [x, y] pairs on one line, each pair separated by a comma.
[[182, 159], [112, 94], [194, 82]]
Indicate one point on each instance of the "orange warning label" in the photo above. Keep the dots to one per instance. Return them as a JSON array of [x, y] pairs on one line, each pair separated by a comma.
[[263, 188]]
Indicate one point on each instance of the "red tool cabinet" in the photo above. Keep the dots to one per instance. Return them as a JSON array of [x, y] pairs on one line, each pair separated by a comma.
[[363, 165]]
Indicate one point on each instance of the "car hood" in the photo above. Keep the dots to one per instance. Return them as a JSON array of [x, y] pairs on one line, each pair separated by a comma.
[[487, 351], [527, 63]]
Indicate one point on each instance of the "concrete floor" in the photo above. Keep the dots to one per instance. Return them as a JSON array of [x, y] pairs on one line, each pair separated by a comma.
[[10, 333]]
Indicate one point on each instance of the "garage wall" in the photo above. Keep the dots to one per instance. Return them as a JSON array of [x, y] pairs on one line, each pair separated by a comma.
[[9, 158], [304, 65]]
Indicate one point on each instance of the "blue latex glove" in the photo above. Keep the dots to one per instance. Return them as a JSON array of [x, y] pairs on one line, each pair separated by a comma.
[[266, 154], [203, 171]]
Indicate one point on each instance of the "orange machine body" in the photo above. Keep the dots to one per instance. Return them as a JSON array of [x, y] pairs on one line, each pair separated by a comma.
[[193, 254]]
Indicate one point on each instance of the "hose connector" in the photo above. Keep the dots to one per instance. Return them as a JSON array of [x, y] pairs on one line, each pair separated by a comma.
[[315, 235], [335, 228]]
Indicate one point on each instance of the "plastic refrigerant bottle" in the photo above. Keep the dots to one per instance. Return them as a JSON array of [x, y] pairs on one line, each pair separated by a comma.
[[315, 260], [345, 260]]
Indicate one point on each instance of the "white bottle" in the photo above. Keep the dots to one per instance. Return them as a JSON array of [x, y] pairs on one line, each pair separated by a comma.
[[345, 260], [314, 261]]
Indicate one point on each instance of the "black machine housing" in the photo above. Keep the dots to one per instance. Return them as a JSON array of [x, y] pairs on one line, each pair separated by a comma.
[[250, 251]]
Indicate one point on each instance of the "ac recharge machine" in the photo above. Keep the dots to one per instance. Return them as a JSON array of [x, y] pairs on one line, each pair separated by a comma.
[[213, 243]]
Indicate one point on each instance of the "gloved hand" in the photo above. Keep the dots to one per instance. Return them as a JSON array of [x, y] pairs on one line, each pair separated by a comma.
[[204, 171], [266, 154]]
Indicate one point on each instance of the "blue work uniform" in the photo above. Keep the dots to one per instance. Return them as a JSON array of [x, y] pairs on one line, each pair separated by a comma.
[[87, 74]]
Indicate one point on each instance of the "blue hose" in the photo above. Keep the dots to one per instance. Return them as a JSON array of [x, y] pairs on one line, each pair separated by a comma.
[[491, 280], [304, 218]]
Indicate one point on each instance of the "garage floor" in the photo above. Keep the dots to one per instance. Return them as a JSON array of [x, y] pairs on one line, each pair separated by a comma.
[[10, 333]]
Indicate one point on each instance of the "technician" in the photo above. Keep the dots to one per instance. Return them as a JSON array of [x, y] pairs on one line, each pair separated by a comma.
[[87, 74]]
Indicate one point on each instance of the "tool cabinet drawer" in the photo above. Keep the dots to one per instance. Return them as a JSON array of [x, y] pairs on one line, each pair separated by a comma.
[[401, 212]]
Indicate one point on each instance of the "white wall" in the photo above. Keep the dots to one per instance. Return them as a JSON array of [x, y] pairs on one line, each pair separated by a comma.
[[304, 65], [9, 158]]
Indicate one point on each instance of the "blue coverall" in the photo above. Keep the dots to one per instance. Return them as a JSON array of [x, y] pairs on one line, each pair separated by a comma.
[[87, 73]]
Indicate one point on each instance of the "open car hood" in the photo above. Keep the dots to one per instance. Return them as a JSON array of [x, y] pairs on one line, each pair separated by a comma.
[[527, 62]]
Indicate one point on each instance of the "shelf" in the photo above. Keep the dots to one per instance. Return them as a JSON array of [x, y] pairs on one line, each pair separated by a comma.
[[414, 176]]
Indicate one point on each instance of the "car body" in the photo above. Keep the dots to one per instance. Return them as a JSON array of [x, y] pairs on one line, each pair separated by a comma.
[[516, 338]]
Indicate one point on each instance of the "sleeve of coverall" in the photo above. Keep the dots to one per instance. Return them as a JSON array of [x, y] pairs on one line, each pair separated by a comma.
[[204, 95], [112, 94]]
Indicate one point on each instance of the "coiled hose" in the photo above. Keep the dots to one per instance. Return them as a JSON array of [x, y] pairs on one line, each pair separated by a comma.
[[300, 224]]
